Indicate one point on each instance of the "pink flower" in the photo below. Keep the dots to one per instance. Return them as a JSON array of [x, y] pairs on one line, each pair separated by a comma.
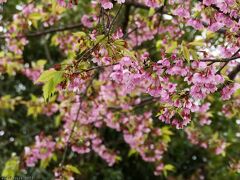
[[106, 4], [180, 11], [87, 21], [204, 83], [42, 149], [229, 90], [65, 4], [159, 169], [118, 34], [215, 26], [220, 148], [152, 3], [50, 109], [209, 2], [196, 24], [3, 1]]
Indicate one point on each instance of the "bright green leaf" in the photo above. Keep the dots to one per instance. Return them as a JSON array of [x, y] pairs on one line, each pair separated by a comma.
[[11, 167], [49, 74], [72, 169], [186, 53], [35, 16]]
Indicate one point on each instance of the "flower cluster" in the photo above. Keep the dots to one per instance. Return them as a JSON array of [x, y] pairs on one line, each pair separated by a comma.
[[41, 150], [108, 81]]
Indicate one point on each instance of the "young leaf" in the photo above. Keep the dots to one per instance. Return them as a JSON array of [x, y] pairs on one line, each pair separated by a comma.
[[51, 78], [48, 89], [35, 16], [194, 54], [186, 53], [49, 74], [168, 167], [11, 167], [197, 43], [72, 169]]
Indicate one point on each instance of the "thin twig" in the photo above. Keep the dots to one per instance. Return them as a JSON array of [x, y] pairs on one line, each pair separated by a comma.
[[226, 63], [94, 68], [74, 124], [114, 20], [220, 60]]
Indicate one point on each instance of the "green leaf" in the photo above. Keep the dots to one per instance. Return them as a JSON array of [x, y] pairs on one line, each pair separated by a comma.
[[165, 130], [166, 139], [49, 74], [99, 38], [210, 35], [197, 43], [228, 79], [172, 47], [168, 167], [41, 62], [119, 43], [194, 54], [186, 53], [72, 169], [118, 158], [132, 152], [48, 89], [159, 44], [11, 167], [51, 78], [1, 54], [35, 16], [151, 12], [79, 34], [44, 163], [126, 52]]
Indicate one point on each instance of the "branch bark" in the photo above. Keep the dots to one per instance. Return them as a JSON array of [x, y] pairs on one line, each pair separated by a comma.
[[47, 31]]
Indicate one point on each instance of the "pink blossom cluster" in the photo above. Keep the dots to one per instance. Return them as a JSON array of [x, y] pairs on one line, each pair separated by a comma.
[[41, 150], [129, 79], [195, 138], [107, 4], [144, 139], [220, 19], [88, 20], [203, 115], [220, 147], [205, 82], [32, 74], [50, 109], [229, 108], [3, 1], [227, 91]]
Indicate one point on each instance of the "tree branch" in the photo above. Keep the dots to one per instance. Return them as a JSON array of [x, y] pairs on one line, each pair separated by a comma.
[[234, 72], [220, 11], [126, 18], [220, 60], [47, 31]]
